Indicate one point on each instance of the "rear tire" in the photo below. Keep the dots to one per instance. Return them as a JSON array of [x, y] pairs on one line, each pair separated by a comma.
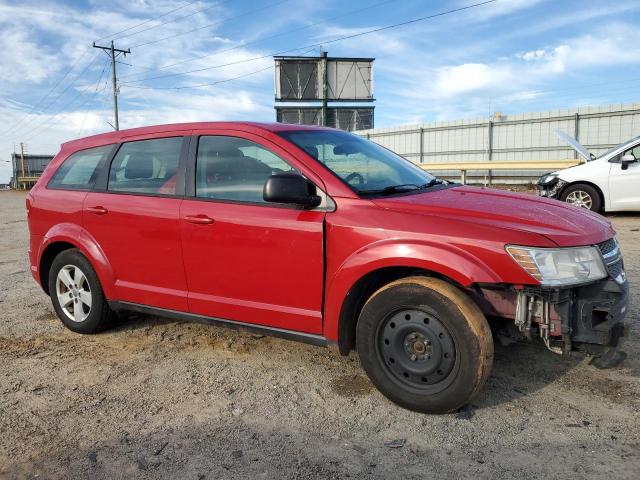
[[583, 196], [424, 344], [77, 295]]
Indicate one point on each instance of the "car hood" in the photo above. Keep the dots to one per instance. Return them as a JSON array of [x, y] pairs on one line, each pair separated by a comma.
[[577, 146], [562, 224]]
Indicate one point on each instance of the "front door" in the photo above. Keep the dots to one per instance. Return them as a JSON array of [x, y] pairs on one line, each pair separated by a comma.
[[247, 260], [624, 185], [135, 220]]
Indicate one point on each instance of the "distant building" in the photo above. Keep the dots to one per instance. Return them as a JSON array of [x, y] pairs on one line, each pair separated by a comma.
[[27, 169]]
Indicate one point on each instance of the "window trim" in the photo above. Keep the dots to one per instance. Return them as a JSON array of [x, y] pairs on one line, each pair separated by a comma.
[[99, 169], [190, 177], [102, 183]]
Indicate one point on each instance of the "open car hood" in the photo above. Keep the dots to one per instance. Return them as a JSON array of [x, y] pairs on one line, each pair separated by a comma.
[[577, 146]]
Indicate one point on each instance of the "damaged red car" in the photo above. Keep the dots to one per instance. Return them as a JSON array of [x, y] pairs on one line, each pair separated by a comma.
[[322, 236]]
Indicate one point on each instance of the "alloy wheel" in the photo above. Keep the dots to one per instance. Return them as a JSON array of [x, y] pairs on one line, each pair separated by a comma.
[[580, 198], [74, 293]]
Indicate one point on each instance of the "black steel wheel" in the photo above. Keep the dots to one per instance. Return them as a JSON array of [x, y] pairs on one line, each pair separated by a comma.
[[417, 348], [424, 344]]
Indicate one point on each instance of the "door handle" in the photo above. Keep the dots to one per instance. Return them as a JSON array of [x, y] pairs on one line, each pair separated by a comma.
[[97, 210], [199, 219]]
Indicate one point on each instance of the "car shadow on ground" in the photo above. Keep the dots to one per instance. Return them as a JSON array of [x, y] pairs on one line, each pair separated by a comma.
[[522, 369], [519, 369]]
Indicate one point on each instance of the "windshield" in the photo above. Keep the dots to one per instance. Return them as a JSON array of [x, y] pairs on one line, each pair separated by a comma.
[[365, 166]]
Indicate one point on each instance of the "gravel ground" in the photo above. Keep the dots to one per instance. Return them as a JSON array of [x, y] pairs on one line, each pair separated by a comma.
[[164, 399]]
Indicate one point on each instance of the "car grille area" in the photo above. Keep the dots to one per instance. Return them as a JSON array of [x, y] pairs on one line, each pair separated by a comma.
[[610, 250]]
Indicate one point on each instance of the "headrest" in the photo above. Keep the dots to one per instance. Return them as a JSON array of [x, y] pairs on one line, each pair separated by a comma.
[[138, 167], [223, 151]]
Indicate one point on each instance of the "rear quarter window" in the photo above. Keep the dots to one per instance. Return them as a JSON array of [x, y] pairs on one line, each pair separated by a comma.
[[80, 170]]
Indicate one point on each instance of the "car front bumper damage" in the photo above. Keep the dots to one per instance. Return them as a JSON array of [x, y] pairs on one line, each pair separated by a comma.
[[551, 188], [585, 318]]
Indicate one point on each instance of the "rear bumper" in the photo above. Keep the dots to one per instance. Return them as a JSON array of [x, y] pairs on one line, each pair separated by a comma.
[[34, 244]]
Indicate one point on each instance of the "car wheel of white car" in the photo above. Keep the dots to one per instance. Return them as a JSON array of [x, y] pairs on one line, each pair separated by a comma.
[[583, 196]]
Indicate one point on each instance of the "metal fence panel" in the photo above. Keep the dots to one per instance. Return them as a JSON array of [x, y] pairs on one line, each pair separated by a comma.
[[522, 137]]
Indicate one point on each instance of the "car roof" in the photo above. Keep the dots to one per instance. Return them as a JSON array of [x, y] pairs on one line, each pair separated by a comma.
[[121, 135]]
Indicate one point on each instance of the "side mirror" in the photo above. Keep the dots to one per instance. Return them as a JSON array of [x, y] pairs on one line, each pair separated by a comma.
[[626, 160], [291, 188]]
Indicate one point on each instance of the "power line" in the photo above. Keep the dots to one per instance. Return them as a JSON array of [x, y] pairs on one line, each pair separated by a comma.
[[265, 7], [177, 19], [326, 42], [37, 104], [54, 100], [113, 35], [86, 113], [288, 32], [50, 121], [183, 87], [18, 124]]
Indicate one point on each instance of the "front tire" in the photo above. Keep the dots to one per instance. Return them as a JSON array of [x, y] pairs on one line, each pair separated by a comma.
[[424, 344], [77, 295], [583, 196]]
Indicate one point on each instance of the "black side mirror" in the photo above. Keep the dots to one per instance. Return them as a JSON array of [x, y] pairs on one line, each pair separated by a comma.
[[290, 188], [626, 160]]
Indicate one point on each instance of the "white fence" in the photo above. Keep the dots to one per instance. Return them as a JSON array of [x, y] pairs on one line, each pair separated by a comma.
[[513, 138]]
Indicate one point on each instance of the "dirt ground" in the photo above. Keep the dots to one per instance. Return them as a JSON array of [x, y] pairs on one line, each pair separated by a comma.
[[164, 399]]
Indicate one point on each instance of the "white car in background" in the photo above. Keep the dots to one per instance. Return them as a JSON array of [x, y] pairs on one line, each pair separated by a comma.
[[610, 182]]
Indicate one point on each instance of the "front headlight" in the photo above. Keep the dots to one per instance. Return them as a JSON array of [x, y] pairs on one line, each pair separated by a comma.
[[560, 266], [549, 178]]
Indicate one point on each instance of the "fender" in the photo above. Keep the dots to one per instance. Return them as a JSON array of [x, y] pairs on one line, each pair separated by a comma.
[[83, 240], [444, 259]]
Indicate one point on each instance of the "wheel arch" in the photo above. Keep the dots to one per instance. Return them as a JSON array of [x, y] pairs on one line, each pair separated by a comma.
[[50, 252], [66, 236], [386, 261], [603, 201], [364, 288]]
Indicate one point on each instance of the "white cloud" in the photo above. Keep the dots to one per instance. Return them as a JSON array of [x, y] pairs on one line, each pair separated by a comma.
[[498, 9], [35, 52], [526, 71]]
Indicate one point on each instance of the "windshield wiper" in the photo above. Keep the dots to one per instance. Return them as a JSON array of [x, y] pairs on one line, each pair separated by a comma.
[[431, 183], [405, 187]]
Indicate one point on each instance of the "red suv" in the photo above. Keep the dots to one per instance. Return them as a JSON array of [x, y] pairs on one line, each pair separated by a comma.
[[321, 236]]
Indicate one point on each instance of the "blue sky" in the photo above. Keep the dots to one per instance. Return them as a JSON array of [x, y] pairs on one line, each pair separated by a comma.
[[510, 56]]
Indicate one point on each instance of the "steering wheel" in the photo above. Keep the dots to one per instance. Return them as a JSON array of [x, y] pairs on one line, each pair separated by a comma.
[[355, 176]]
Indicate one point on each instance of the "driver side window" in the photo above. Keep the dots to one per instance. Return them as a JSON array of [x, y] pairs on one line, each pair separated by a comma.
[[232, 168]]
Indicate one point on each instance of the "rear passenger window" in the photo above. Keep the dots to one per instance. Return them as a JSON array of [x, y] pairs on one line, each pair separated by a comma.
[[146, 166], [80, 170], [231, 168]]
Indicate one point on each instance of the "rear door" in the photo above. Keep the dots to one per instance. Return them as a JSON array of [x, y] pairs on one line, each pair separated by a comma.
[[624, 185], [248, 260], [133, 214]]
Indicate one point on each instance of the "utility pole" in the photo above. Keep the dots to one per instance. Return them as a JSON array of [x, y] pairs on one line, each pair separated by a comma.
[[113, 53], [325, 86], [22, 161]]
